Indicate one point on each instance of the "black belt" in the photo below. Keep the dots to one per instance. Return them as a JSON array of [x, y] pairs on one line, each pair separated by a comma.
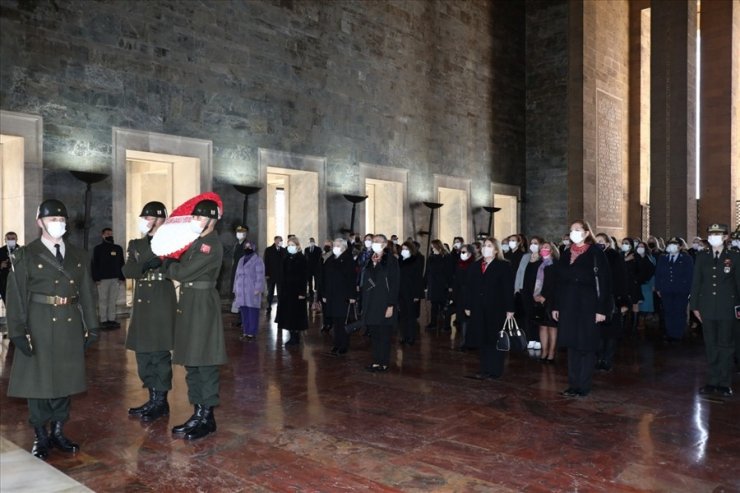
[[153, 276], [54, 300], [199, 284]]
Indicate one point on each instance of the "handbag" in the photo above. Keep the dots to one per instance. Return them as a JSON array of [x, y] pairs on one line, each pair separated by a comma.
[[350, 327], [503, 343], [517, 337]]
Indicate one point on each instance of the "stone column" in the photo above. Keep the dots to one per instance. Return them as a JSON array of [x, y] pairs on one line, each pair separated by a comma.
[[672, 118], [720, 147]]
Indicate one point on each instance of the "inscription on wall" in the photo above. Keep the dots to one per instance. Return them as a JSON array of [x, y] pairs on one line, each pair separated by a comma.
[[608, 160]]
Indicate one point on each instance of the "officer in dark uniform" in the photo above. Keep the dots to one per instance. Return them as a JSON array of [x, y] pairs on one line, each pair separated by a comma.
[[11, 244], [151, 328], [673, 276], [51, 320], [199, 330], [715, 293]]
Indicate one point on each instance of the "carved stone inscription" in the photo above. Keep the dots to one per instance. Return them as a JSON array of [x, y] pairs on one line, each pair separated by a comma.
[[608, 161]]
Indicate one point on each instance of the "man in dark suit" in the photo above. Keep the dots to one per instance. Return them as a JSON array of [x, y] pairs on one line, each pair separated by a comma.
[[11, 244], [715, 292], [274, 256], [107, 261], [313, 266]]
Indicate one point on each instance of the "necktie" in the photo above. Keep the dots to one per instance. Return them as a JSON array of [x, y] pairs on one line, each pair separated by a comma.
[[483, 266], [716, 257], [60, 259]]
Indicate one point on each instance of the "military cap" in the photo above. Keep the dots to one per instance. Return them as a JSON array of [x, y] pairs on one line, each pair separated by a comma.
[[154, 209], [51, 207], [206, 208], [241, 229], [676, 239], [718, 228]]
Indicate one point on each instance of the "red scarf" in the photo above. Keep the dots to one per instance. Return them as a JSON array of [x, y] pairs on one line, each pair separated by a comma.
[[576, 251]]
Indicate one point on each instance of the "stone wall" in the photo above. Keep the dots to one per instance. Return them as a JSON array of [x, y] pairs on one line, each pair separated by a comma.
[[429, 86]]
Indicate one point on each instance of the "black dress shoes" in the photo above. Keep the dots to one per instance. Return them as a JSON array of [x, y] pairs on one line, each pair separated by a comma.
[[160, 407], [61, 442], [205, 426], [569, 392], [41, 444], [708, 389], [138, 411], [725, 391]]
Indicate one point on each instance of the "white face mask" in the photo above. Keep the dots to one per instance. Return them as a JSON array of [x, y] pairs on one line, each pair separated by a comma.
[[368, 243], [144, 226], [534, 248], [241, 236], [576, 236], [12, 244], [505, 247], [736, 243], [626, 247], [280, 244], [377, 247], [566, 242], [464, 256], [697, 246], [56, 229], [311, 244], [672, 248], [715, 240], [641, 250], [457, 245], [195, 226], [292, 249], [487, 251], [405, 253], [336, 251], [513, 244]]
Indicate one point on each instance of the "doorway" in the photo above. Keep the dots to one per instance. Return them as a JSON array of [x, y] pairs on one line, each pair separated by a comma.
[[12, 186], [292, 204], [453, 216], [505, 221], [384, 207]]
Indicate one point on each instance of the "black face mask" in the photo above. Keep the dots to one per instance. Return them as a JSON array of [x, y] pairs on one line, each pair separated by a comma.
[[652, 245], [248, 251], [327, 249], [109, 239]]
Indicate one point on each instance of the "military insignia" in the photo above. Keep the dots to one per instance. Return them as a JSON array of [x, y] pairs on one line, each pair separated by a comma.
[[205, 249], [728, 265], [113, 253]]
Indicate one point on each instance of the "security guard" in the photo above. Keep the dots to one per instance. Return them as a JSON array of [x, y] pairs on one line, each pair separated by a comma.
[[151, 328], [715, 293], [51, 320], [199, 331], [673, 276]]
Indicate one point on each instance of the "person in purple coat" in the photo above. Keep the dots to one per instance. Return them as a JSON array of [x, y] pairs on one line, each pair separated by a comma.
[[249, 284]]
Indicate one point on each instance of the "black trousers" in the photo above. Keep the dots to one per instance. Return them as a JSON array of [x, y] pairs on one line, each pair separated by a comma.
[[491, 360], [608, 349], [380, 337], [407, 318], [271, 285], [155, 369], [43, 410], [203, 385], [341, 338], [719, 344], [580, 369], [313, 281]]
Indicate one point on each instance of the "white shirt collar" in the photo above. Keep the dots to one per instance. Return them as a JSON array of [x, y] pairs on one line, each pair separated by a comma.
[[50, 246]]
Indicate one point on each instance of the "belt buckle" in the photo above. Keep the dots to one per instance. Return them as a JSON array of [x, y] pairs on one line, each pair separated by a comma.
[[60, 300]]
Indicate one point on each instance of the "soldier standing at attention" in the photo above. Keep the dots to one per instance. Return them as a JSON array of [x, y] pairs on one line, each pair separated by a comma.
[[199, 330], [715, 293], [51, 320], [150, 332]]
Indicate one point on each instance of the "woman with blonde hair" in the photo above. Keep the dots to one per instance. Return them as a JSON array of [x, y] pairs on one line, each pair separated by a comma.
[[291, 312], [438, 280]]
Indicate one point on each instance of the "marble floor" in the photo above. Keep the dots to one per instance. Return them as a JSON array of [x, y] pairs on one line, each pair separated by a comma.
[[298, 420]]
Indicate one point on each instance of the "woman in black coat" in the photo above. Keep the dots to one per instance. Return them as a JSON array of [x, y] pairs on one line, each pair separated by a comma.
[[380, 284], [438, 278], [291, 311], [634, 291], [337, 291], [411, 291], [613, 328], [489, 301], [580, 305], [468, 338], [536, 300]]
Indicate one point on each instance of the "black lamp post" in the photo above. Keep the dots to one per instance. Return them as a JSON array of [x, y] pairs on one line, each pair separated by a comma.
[[355, 199], [246, 191], [432, 207], [89, 179], [491, 210]]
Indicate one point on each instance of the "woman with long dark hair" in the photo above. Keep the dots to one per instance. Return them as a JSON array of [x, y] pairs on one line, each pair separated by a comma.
[[411, 291]]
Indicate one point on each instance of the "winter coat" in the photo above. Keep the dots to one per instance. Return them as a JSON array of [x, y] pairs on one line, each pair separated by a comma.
[[292, 311], [411, 286], [613, 326], [249, 282], [633, 284], [274, 258], [380, 288], [438, 278], [489, 296], [338, 284]]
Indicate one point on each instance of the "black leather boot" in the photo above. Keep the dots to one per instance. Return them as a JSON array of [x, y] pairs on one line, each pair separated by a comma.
[[41, 444], [205, 426], [138, 411], [192, 421], [60, 441], [160, 407]]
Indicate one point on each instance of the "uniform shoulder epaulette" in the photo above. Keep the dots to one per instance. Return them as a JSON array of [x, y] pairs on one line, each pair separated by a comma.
[[19, 254]]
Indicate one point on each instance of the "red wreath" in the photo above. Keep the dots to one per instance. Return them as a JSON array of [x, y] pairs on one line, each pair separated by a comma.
[[174, 237]]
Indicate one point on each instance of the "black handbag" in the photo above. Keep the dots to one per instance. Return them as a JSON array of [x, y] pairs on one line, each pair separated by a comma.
[[352, 322], [517, 336], [503, 342]]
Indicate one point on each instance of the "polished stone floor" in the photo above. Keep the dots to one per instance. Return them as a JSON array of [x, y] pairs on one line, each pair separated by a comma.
[[299, 420]]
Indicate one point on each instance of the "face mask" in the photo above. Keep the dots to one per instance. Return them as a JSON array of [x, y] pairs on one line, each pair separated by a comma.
[[672, 248], [566, 242], [248, 251], [697, 246], [457, 245], [576, 236], [505, 247], [545, 253], [195, 226], [144, 226], [652, 245], [280, 244], [464, 256], [736, 243], [368, 243], [327, 249], [534, 248], [56, 229], [714, 240], [405, 253], [513, 244], [336, 251], [487, 251], [395, 242], [602, 246], [435, 251], [109, 239], [12, 244], [377, 247], [241, 236], [641, 250], [311, 244], [626, 247], [292, 249]]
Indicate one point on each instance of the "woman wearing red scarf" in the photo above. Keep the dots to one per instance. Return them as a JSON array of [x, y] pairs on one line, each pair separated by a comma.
[[583, 300]]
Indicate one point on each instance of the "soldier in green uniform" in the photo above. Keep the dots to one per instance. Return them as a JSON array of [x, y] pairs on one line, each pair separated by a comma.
[[199, 331], [150, 331], [714, 294], [51, 320]]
